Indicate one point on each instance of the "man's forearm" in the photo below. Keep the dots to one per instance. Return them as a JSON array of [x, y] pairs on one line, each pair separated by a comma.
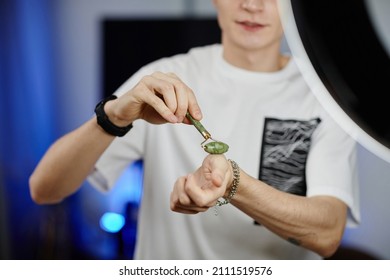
[[314, 222], [67, 163]]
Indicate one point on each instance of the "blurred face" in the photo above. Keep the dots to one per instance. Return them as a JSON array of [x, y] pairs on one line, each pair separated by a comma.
[[249, 24]]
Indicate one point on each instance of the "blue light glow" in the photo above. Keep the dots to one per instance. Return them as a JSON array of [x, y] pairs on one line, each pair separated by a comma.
[[112, 222]]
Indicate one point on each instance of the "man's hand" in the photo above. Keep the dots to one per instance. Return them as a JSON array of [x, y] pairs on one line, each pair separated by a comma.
[[198, 191], [157, 98]]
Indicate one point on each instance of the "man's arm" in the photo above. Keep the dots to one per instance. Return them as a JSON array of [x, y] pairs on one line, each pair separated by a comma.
[[158, 98], [316, 223], [68, 162]]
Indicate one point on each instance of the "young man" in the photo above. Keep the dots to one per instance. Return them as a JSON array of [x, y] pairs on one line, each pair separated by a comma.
[[292, 184]]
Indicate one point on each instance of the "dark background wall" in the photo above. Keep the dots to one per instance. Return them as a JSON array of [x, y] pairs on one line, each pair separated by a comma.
[[54, 67]]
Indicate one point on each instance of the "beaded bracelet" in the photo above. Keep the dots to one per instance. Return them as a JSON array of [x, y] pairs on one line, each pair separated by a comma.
[[236, 180]]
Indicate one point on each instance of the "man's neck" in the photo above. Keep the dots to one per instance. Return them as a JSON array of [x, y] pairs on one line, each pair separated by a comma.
[[264, 60]]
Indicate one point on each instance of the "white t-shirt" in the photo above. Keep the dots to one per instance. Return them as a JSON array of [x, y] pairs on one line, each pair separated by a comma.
[[243, 109]]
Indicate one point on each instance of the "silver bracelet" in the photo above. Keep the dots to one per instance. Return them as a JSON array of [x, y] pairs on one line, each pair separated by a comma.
[[233, 189]]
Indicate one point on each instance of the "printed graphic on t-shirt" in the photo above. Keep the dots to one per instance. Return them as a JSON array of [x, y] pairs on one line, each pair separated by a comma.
[[286, 144]]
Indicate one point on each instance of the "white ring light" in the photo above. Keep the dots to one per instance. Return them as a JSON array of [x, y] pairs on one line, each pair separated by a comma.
[[377, 145]]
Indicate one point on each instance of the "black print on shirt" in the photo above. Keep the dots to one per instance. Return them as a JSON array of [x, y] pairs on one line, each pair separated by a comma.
[[286, 144]]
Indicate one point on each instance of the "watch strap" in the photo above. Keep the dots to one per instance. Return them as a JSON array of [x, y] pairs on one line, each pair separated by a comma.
[[104, 121]]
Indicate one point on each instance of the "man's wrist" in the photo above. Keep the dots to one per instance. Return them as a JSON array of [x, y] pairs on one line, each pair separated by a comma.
[[232, 190], [105, 122]]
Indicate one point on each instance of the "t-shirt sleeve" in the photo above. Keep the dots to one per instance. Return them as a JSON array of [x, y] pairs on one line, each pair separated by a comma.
[[120, 154], [123, 150], [332, 167]]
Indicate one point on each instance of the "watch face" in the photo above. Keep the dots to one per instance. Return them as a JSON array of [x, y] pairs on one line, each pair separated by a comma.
[[342, 48]]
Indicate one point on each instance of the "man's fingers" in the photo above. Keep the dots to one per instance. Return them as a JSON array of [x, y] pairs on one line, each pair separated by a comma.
[[180, 98], [181, 202], [203, 194]]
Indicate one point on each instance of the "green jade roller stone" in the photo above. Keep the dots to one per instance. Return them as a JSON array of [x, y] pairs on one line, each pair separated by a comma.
[[215, 147]]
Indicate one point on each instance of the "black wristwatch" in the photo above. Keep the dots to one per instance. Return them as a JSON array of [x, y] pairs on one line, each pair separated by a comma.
[[105, 123]]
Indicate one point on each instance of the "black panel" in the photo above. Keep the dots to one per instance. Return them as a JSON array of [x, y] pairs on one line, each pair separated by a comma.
[[129, 44]]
